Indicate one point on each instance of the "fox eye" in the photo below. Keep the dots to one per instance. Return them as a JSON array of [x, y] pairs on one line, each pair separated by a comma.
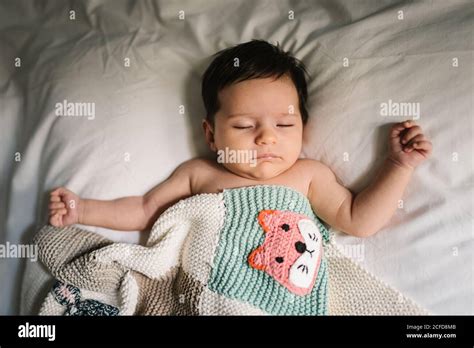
[[279, 259], [285, 227]]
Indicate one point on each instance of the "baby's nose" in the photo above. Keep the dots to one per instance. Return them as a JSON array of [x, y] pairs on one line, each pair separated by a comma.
[[266, 137], [300, 247]]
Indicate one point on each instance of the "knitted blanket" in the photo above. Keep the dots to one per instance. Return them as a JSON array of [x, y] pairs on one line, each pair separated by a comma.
[[256, 250]]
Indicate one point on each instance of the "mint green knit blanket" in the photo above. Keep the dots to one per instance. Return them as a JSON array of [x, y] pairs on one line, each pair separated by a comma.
[[270, 252]]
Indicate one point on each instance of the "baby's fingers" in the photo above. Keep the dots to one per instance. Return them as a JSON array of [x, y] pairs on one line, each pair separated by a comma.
[[56, 220], [58, 191], [396, 130], [57, 205], [58, 211], [424, 146], [410, 134], [410, 146], [54, 198], [58, 194]]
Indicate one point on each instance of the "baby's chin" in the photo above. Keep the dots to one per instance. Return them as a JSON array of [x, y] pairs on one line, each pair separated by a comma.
[[259, 172]]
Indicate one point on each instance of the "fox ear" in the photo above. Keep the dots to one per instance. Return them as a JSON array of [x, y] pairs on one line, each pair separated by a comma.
[[264, 219], [255, 259]]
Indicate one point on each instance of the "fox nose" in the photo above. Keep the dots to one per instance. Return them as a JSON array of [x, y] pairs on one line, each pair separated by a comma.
[[300, 247]]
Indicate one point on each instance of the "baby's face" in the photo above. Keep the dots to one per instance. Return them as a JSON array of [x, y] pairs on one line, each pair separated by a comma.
[[259, 117]]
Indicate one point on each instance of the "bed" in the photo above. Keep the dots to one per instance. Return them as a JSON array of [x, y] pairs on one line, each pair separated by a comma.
[[140, 63]]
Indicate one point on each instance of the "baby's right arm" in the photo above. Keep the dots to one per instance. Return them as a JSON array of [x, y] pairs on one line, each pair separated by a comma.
[[127, 213]]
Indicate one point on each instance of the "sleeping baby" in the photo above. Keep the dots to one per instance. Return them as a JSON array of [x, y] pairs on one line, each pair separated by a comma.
[[255, 97]]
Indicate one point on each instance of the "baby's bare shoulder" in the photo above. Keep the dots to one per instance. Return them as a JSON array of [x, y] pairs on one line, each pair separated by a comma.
[[312, 167], [315, 172], [197, 164], [199, 170]]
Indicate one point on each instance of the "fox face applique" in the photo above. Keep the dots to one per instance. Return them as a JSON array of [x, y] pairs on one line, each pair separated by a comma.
[[291, 252]]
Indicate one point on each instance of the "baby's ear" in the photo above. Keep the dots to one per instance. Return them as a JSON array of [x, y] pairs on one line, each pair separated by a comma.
[[209, 134], [255, 259]]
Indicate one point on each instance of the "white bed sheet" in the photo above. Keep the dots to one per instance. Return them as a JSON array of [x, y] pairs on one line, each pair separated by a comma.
[[425, 251]]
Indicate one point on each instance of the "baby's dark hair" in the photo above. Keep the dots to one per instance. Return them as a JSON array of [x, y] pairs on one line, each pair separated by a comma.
[[256, 59]]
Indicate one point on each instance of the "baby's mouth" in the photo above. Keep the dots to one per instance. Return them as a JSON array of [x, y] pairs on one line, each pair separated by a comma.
[[268, 156]]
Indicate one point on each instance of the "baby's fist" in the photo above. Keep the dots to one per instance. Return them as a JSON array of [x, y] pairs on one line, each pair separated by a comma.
[[408, 145], [64, 207]]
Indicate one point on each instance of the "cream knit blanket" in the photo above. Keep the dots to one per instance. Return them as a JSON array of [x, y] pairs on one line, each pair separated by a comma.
[[178, 271]]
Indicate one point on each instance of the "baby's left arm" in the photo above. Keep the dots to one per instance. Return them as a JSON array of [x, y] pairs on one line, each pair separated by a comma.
[[362, 215]]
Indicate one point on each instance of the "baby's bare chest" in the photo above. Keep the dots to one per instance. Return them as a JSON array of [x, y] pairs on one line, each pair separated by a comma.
[[216, 180]]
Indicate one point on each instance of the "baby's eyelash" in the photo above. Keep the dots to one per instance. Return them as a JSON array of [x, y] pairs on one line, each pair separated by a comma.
[[278, 125], [239, 127]]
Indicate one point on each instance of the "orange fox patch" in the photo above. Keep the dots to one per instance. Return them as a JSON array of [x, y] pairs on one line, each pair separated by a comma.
[[291, 252]]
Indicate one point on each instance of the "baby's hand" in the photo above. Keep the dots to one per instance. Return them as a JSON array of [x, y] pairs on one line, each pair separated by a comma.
[[408, 145], [64, 207]]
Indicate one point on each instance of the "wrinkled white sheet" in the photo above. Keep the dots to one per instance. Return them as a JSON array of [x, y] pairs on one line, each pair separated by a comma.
[[138, 135]]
